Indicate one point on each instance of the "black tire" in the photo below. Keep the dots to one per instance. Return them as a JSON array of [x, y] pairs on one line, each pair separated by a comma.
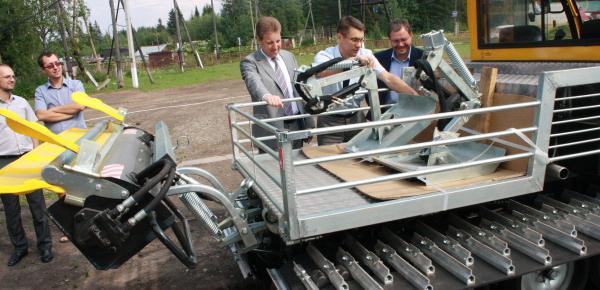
[[572, 276]]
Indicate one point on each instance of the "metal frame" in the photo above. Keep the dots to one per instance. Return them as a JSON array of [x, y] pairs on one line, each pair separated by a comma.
[[294, 227]]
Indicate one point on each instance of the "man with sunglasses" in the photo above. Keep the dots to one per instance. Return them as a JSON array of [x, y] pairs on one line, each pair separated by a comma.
[[351, 36], [402, 54], [53, 103], [12, 146]]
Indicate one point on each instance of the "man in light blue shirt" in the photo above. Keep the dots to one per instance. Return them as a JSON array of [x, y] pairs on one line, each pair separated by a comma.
[[351, 36], [53, 103]]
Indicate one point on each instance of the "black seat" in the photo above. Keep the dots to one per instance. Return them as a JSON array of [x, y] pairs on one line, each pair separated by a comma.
[[520, 34], [590, 29]]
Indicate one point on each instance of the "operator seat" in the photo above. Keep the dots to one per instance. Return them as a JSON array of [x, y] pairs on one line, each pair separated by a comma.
[[520, 33], [590, 29]]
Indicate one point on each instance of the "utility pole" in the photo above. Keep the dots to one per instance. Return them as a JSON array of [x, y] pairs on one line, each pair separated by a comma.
[[455, 18], [63, 37], [120, 81], [340, 8], [256, 10], [309, 15], [180, 50], [137, 42], [87, 27], [253, 27], [187, 32], [133, 66], [212, 3]]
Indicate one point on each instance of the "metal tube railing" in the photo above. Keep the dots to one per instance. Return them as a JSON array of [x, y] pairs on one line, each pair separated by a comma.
[[574, 132], [575, 120], [431, 117], [411, 147], [559, 158], [413, 174], [260, 166], [573, 143], [262, 188], [576, 109], [257, 142], [577, 97]]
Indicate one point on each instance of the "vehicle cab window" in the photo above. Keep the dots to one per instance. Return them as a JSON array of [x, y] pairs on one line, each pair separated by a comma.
[[537, 22]]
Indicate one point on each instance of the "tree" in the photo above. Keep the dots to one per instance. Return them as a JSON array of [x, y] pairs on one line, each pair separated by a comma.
[[19, 42], [196, 13], [206, 10], [171, 26], [45, 21], [160, 27]]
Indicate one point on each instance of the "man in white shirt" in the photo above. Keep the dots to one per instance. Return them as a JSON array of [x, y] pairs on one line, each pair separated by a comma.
[[351, 36]]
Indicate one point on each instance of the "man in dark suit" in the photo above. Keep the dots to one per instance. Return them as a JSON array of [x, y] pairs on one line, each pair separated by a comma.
[[402, 54], [268, 73]]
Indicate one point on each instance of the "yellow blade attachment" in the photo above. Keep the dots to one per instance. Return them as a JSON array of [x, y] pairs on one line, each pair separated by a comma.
[[85, 100], [35, 130]]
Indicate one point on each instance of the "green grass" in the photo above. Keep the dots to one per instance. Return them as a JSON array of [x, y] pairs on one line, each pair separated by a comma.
[[171, 77]]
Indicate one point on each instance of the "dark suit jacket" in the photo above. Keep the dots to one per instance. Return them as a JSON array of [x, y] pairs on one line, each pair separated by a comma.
[[385, 59], [260, 80]]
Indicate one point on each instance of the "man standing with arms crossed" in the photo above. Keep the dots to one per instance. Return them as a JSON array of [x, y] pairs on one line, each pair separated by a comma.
[[402, 54], [53, 103], [268, 73], [12, 146], [351, 36]]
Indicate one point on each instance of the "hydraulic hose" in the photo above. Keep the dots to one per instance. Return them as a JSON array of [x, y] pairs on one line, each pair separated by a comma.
[[152, 181], [163, 191], [432, 84], [152, 168], [310, 72]]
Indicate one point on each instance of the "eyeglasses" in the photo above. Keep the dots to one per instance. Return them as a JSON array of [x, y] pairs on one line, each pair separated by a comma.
[[52, 65], [397, 41], [357, 40]]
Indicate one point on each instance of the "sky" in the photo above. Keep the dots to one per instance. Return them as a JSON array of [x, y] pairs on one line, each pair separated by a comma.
[[143, 12]]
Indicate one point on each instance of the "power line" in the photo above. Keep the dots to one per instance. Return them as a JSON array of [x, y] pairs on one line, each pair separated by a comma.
[[17, 23]]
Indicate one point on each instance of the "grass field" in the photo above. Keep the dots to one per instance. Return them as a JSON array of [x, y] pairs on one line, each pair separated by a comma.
[[171, 77]]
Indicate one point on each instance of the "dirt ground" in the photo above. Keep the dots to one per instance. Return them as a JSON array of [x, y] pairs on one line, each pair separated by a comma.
[[197, 112]]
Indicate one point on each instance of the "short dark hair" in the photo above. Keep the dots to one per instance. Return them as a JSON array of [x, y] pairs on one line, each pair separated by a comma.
[[349, 21], [397, 24], [44, 54], [267, 25]]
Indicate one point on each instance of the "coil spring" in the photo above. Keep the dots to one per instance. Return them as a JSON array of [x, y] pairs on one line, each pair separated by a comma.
[[342, 65], [460, 66], [193, 202]]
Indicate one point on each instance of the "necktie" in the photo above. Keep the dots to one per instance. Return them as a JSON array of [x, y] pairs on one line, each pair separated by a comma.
[[288, 109]]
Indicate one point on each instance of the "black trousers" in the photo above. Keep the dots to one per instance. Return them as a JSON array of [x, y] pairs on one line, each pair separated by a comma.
[[294, 125], [14, 225]]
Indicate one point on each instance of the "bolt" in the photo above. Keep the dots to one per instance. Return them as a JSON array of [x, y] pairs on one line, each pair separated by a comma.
[[552, 274], [112, 250], [345, 258], [124, 193], [98, 186], [95, 229], [80, 217], [385, 250], [446, 241], [368, 257], [244, 231]]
